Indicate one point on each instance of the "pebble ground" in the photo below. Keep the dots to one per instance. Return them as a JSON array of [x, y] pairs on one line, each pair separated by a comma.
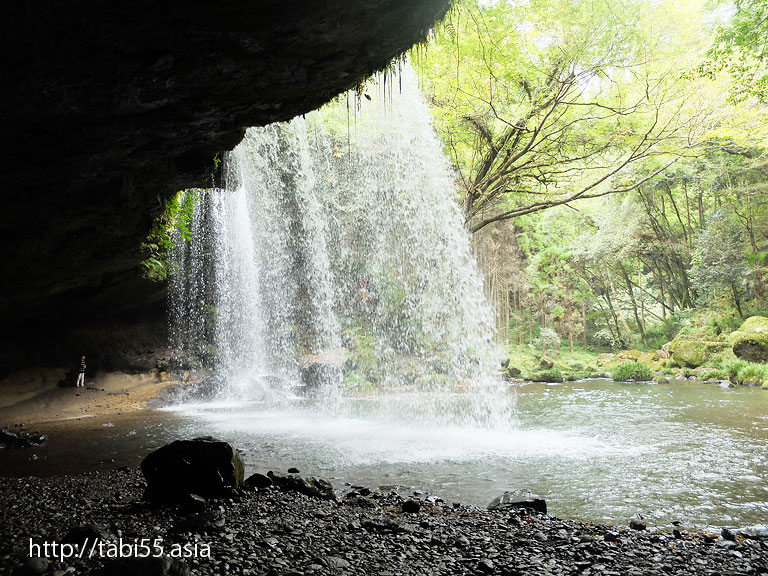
[[361, 533]]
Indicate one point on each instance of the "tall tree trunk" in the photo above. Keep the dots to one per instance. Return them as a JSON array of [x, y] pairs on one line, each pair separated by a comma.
[[530, 326], [620, 312], [736, 300], [631, 292], [700, 202], [615, 318]]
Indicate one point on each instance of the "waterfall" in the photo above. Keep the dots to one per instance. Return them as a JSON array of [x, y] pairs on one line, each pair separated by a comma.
[[334, 264]]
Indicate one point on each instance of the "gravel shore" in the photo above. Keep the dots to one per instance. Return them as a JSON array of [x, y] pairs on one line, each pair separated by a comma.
[[362, 532]]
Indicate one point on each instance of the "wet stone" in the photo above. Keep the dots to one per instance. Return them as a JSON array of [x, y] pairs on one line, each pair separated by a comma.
[[461, 542], [336, 563], [637, 522], [486, 566]]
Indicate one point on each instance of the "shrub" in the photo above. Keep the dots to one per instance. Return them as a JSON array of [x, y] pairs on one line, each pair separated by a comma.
[[733, 367], [740, 371], [725, 324], [548, 339], [632, 371], [661, 332], [713, 374], [753, 374], [603, 337]]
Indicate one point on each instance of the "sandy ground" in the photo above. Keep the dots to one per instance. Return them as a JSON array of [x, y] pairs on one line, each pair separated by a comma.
[[34, 397]]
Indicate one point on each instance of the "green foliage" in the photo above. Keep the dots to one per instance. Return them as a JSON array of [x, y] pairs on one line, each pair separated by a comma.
[[357, 382], [632, 371], [733, 367], [740, 50], [724, 324], [544, 103], [605, 337], [713, 374], [753, 374], [624, 270], [174, 223], [748, 373], [719, 261], [362, 362], [659, 333]]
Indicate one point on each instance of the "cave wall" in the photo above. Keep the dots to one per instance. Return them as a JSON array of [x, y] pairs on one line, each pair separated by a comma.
[[110, 107]]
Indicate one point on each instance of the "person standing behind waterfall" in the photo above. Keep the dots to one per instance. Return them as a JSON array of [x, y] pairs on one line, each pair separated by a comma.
[[81, 374]]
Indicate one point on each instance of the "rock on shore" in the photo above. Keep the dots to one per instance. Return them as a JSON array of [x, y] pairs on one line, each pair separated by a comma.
[[269, 531]]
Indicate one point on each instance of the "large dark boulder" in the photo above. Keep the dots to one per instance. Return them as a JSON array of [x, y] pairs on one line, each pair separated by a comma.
[[318, 375], [204, 466]]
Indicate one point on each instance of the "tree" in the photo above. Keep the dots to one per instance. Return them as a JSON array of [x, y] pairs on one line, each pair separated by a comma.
[[543, 104], [719, 262], [740, 49]]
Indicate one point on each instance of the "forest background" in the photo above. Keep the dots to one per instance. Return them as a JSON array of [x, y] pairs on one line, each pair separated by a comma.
[[612, 169]]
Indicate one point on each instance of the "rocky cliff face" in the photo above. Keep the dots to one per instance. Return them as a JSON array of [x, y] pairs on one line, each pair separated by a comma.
[[109, 107]]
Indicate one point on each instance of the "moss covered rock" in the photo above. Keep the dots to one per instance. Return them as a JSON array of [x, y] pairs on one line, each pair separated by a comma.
[[552, 375], [750, 342], [605, 358], [688, 353], [546, 363], [513, 371], [652, 359]]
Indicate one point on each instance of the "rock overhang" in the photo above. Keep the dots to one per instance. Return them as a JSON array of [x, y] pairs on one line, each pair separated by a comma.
[[108, 108]]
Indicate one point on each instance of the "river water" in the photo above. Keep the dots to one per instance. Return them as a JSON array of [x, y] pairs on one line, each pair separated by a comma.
[[596, 450]]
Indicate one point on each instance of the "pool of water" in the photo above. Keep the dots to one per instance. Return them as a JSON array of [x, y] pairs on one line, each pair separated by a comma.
[[596, 450]]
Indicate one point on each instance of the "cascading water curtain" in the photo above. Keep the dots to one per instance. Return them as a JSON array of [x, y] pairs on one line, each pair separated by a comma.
[[335, 263]]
